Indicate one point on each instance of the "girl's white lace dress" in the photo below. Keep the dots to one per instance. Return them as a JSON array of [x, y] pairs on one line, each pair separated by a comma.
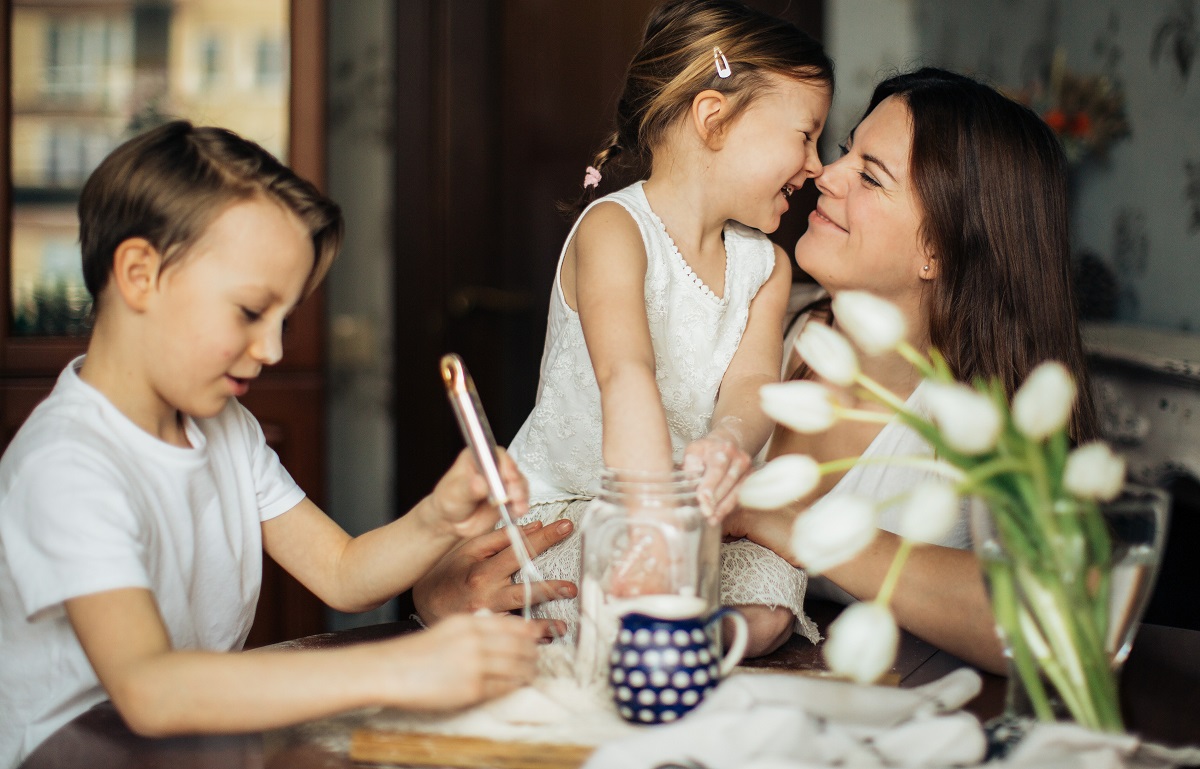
[[694, 334]]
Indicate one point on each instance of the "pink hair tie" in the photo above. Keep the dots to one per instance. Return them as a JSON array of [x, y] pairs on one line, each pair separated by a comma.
[[591, 177]]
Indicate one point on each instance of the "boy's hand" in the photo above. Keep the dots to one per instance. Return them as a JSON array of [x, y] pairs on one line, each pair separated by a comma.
[[460, 499], [724, 464], [459, 662]]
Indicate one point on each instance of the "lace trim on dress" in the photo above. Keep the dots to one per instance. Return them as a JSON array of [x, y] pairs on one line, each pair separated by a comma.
[[750, 574], [687, 268]]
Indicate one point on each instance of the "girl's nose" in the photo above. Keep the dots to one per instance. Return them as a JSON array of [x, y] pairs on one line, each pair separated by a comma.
[[812, 166]]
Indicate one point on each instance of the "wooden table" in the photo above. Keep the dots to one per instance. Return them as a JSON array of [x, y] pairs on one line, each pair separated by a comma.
[[1160, 695]]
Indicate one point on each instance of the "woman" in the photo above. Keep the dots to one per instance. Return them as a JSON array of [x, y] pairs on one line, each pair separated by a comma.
[[950, 201]]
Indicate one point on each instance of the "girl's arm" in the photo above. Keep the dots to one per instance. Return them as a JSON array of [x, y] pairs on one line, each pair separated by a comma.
[[739, 426], [360, 573], [160, 691], [607, 277]]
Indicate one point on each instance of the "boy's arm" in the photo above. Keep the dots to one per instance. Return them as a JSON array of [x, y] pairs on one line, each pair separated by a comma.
[[739, 424], [160, 691], [610, 291], [360, 573]]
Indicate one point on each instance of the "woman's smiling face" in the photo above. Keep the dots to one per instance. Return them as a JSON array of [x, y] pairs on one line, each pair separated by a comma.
[[865, 231]]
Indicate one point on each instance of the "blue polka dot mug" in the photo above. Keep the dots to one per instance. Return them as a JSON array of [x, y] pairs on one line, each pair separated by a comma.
[[667, 657]]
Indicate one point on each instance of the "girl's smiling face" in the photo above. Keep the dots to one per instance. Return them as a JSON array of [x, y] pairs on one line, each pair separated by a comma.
[[771, 149], [865, 231]]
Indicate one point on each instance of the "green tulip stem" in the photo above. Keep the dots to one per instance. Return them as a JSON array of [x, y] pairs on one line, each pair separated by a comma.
[[881, 393], [921, 463], [919, 361], [893, 573], [988, 470], [862, 415]]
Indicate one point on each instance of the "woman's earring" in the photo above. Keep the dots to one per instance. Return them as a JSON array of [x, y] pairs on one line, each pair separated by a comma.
[[925, 268]]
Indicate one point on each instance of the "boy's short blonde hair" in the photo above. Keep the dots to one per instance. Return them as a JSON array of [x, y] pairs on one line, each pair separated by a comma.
[[170, 183]]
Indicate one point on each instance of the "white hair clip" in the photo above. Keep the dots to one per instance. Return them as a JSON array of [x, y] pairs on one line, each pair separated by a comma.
[[723, 70]]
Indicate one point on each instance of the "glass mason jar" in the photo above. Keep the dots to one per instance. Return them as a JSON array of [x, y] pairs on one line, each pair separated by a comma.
[[645, 534]]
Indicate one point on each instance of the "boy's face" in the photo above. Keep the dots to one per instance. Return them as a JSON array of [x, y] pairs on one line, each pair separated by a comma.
[[218, 313]]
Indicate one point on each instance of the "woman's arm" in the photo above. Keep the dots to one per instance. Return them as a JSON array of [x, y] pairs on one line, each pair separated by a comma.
[[605, 273], [160, 691], [940, 596], [478, 575]]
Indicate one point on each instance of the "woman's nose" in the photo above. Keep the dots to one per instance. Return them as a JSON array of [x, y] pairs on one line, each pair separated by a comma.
[[832, 178]]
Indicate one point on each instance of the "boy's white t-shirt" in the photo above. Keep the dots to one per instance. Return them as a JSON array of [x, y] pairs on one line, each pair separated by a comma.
[[90, 502]]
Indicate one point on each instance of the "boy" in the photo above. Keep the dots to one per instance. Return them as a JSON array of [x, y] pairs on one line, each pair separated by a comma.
[[136, 501]]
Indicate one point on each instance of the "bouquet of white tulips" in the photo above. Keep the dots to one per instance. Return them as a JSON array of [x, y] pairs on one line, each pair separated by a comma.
[[1050, 593]]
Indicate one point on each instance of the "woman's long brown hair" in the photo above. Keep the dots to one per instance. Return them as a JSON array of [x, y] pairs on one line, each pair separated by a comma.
[[991, 178]]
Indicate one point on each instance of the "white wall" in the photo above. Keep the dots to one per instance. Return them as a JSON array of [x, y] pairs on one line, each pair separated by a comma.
[[1140, 210], [868, 41]]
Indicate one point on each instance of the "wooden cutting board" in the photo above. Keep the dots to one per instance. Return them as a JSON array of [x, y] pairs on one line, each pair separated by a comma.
[[377, 746]]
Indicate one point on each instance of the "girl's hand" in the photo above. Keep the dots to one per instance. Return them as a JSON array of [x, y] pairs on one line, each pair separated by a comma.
[[461, 661], [459, 501], [724, 464]]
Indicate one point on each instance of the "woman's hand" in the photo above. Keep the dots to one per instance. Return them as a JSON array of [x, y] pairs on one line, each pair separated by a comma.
[[770, 528], [719, 456], [478, 575]]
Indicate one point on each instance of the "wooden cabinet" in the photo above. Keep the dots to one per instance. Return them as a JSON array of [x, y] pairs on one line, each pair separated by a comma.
[[289, 399]]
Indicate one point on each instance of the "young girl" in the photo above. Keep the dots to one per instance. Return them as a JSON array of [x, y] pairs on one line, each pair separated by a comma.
[[667, 308]]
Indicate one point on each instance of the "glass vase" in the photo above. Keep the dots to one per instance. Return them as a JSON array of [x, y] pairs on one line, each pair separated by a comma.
[[1068, 586], [644, 534]]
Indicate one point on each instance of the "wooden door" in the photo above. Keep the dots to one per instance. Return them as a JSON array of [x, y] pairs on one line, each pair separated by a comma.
[[500, 106]]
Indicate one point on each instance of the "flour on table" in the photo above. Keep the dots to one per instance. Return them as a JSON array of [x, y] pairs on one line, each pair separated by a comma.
[[554, 709]]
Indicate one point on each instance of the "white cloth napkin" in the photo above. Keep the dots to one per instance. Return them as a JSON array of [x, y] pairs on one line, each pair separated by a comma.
[[799, 722], [764, 721], [1067, 746]]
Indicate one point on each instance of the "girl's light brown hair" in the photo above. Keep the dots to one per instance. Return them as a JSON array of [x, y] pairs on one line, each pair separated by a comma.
[[675, 62], [168, 184], [991, 178]]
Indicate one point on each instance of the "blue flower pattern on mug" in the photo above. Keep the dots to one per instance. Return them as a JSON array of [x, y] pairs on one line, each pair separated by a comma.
[[661, 669]]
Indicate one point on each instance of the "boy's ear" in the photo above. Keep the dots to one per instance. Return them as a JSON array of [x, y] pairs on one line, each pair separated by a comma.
[[135, 271], [709, 109]]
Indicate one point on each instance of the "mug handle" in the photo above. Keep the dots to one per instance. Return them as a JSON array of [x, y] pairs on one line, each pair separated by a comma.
[[741, 635]]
